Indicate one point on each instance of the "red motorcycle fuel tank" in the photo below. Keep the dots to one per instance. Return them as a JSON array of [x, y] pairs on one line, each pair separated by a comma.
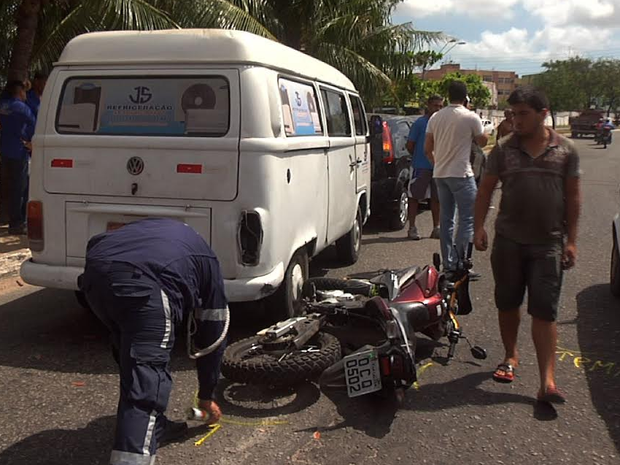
[[423, 288]]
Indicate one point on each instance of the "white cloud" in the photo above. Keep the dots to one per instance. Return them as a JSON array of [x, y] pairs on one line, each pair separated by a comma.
[[497, 9], [565, 12], [544, 29], [523, 51]]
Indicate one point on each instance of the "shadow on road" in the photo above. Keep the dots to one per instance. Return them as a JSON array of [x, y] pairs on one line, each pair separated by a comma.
[[598, 332], [90, 445], [261, 401], [47, 330], [86, 446]]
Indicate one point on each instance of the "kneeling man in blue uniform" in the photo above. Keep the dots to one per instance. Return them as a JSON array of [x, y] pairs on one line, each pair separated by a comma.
[[143, 280]]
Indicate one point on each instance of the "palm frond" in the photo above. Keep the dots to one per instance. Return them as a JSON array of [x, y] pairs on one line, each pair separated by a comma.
[[244, 15]]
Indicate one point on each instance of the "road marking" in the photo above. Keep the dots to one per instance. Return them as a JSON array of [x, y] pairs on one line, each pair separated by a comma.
[[214, 428], [580, 361], [421, 370]]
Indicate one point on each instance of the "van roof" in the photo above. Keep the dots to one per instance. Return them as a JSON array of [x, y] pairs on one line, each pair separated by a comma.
[[195, 46]]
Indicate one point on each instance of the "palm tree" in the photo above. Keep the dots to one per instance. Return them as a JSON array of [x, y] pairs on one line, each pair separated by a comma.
[[355, 36]]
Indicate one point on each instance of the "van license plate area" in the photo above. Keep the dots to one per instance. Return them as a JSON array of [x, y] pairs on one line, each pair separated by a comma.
[[113, 225], [362, 373]]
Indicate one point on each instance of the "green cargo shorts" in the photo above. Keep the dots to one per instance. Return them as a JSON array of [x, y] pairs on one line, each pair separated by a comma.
[[535, 267]]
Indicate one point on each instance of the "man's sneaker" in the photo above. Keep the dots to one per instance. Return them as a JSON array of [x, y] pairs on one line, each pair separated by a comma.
[[413, 234], [473, 276], [436, 233]]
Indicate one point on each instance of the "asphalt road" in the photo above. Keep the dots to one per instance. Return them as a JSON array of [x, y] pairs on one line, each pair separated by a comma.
[[58, 385]]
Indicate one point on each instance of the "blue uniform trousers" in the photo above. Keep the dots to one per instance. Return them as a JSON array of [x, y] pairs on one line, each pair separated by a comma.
[[138, 314], [18, 190]]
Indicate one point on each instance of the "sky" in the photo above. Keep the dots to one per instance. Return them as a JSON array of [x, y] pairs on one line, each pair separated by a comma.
[[517, 35]]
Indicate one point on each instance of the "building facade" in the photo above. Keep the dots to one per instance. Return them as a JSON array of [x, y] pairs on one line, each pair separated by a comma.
[[503, 81]]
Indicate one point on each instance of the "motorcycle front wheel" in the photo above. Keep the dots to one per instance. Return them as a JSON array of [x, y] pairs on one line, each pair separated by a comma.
[[247, 362]]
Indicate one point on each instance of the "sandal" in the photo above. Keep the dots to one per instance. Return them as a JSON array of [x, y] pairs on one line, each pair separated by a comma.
[[504, 373], [552, 396]]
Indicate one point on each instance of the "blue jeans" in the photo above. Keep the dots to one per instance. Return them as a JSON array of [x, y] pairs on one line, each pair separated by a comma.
[[17, 170], [456, 193]]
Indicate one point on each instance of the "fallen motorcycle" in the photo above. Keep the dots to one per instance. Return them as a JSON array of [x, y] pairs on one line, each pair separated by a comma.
[[373, 323]]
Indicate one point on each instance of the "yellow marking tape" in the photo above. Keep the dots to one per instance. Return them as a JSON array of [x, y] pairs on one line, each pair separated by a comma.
[[421, 370], [254, 423], [214, 428]]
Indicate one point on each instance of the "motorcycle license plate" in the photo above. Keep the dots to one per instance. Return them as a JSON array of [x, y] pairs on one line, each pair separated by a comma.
[[362, 373]]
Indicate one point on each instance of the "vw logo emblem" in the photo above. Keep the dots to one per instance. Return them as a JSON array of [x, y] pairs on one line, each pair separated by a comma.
[[135, 166]]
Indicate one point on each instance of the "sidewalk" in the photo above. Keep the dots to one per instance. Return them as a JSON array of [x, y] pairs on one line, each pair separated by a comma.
[[13, 251]]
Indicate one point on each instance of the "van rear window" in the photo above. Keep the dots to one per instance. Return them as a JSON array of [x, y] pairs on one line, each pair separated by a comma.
[[154, 106]]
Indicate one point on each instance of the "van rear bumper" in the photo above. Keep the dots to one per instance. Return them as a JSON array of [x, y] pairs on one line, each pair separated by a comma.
[[237, 290], [57, 277]]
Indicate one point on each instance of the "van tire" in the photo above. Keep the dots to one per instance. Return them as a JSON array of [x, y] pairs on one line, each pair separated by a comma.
[[614, 274], [285, 302], [348, 246]]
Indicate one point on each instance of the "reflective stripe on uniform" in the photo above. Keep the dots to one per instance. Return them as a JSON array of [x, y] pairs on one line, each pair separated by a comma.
[[210, 314], [120, 457], [149, 434], [166, 305]]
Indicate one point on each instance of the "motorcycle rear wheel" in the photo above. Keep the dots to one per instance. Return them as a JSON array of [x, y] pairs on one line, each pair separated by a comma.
[[245, 362]]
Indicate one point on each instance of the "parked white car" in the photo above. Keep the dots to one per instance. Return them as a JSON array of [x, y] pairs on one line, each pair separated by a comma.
[[489, 128]]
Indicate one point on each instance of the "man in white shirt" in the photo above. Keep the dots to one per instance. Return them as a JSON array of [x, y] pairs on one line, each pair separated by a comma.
[[449, 136]]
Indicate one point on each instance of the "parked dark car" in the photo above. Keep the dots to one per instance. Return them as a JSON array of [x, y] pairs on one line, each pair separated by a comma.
[[391, 167]]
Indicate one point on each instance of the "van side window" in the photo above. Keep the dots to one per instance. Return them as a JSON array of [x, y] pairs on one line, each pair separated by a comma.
[[299, 109], [359, 116], [338, 121]]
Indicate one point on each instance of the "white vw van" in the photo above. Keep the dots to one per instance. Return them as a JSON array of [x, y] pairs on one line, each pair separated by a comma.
[[262, 149]]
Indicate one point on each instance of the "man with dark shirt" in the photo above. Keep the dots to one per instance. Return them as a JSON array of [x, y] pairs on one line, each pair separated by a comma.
[[535, 231], [33, 97], [506, 126], [142, 281], [17, 128]]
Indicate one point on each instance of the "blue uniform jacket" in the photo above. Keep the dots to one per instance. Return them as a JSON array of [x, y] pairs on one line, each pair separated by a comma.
[[177, 258], [17, 122]]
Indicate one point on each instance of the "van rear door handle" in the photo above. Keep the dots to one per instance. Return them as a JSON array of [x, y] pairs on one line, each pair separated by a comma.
[[355, 163]]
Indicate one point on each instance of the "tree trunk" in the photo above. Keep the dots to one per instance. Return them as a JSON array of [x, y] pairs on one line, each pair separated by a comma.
[[611, 102], [553, 119], [27, 21]]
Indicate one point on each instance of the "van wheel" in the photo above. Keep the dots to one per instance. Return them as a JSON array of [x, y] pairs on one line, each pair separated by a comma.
[[286, 301], [348, 246], [81, 299], [399, 218], [614, 275]]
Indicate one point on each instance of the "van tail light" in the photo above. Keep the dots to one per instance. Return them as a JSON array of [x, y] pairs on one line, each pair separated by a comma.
[[388, 147], [35, 225], [62, 163], [250, 237]]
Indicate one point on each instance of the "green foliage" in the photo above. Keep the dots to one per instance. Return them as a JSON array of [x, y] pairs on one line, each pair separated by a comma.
[[580, 83], [355, 36], [414, 90]]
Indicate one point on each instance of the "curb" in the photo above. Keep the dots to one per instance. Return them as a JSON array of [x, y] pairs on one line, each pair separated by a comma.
[[10, 263]]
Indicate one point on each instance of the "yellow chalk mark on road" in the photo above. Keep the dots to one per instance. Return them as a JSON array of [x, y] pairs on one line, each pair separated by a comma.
[[214, 428], [421, 370], [254, 423]]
